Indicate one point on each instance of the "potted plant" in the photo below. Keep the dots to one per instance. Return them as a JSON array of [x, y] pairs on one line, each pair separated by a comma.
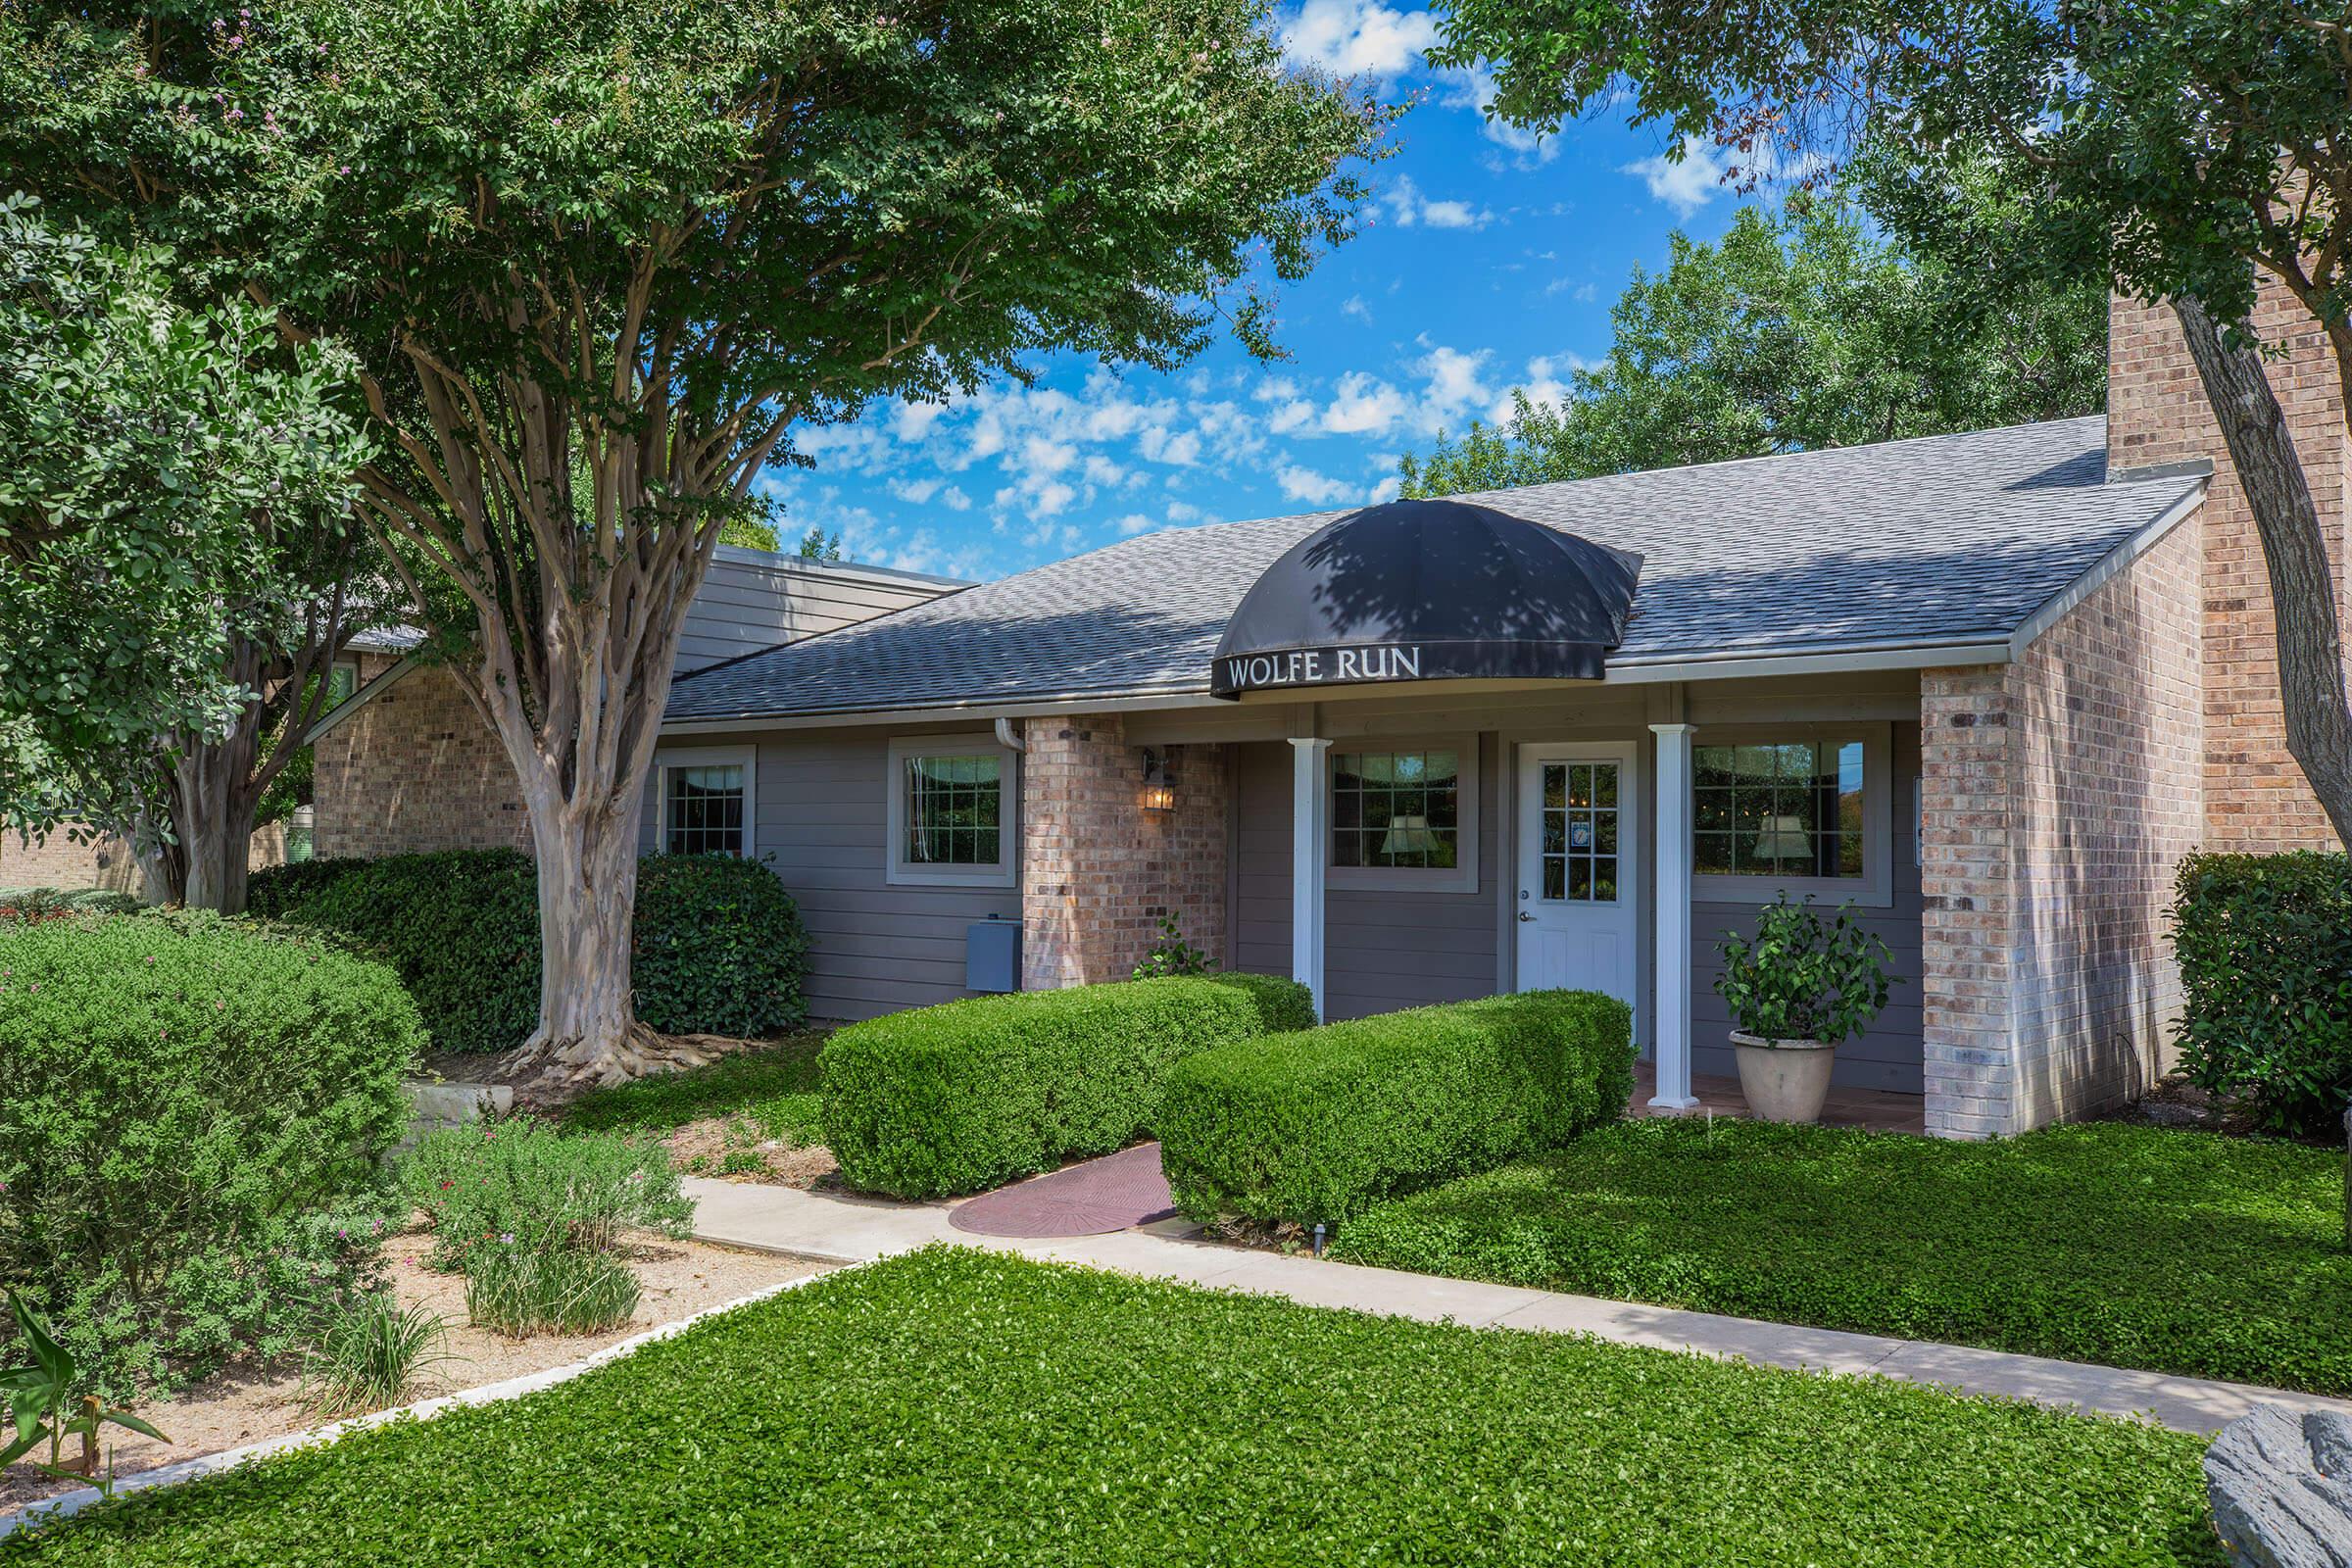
[[1796, 990]]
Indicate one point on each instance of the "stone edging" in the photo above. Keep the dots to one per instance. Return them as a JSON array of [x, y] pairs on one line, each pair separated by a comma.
[[68, 1503]]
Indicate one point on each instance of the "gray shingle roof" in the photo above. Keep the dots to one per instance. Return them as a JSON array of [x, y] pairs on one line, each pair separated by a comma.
[[1946, 538]]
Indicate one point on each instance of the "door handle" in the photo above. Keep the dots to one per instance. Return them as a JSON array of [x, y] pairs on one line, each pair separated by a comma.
[[1524, 916]]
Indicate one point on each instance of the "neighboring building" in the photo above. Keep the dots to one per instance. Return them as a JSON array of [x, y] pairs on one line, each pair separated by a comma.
[[406, 764], [1989, 688]]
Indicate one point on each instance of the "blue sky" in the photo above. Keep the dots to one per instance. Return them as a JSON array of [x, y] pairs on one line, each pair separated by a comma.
[[1490, 262]]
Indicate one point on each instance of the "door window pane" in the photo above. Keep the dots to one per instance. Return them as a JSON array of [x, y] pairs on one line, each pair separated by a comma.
[[1580, 832]]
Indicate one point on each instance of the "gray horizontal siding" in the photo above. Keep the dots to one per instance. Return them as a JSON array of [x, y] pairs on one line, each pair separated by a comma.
[[1381, 951], [748, 603], [821, 826]]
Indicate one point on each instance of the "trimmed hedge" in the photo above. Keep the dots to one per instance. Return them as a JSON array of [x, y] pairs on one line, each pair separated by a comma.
[[2140, 1246], [2264, 943], [719, 945], [1316, 1126], [191, 1115], [971, 1094]]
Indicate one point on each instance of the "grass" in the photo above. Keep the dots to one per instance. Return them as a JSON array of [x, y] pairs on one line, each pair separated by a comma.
[[963, 1407], [773, 1090], [2170, 1250]]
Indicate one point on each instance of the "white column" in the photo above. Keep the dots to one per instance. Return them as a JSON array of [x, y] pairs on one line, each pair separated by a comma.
[[1310, 838], [1673, 961]]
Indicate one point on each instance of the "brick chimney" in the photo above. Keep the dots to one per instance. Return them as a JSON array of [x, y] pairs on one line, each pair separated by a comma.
[[2157, 417]]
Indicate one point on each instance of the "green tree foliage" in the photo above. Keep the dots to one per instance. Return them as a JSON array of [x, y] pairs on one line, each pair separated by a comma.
[[172, 533], [1793, 332], [643, 242], [2177, 148]]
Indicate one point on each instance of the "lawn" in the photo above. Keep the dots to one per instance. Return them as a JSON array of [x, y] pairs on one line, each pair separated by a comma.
[[963, 1407], [772, 1088], [2176, 1251]]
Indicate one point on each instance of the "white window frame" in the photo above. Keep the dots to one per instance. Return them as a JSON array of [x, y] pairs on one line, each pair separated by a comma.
[[907, 873], [746, 758], [337, 666], [1461, 877], [1874, 888]]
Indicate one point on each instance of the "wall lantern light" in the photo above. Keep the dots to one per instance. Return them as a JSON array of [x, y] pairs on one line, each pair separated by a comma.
[[1159, 779]]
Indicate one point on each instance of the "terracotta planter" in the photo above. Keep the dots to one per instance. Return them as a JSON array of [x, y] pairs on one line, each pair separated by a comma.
[[1784, 1080]]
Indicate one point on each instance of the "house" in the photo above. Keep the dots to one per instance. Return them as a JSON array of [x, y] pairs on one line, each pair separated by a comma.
[[404, 764], [401, 763], [1987, 688]]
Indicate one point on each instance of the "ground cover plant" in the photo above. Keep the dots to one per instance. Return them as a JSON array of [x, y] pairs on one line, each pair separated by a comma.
[[718, 946], [1314, 1126], [2167, 1250], [974, 1408], [969, 1095], [773, 1089], [192, 1113]]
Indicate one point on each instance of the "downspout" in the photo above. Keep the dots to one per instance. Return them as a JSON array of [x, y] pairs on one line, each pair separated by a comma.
[[1009, 738]]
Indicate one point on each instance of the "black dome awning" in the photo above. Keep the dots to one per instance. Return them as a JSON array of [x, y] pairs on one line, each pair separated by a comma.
[[1428, 590]]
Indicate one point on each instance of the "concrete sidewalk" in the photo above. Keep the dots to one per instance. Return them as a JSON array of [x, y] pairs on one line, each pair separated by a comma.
[[840, 1228]]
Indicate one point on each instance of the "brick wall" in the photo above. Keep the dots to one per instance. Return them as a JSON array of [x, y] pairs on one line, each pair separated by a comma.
[[56, 861], [1098, 871], [2060, 794], [415, 769], [2156, 414]]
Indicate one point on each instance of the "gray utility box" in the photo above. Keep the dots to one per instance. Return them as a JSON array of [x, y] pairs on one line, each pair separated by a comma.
[[992, 955]]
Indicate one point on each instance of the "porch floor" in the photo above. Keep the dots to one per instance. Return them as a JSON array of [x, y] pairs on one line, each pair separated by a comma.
[[1879, 1111]]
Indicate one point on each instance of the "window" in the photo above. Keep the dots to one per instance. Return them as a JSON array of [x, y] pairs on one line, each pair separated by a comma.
[[1580, 831], [342, 679], [707, 801], [951, 812], [1406, 816], [1805, 813]]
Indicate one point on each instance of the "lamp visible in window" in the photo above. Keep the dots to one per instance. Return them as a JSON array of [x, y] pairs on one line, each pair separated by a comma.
[[1407, 835], [1783, 837], [1160, 780]]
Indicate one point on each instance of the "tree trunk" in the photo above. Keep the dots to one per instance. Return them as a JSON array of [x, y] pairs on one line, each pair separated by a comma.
[[2311, 655], [212, 797], [585, 848]]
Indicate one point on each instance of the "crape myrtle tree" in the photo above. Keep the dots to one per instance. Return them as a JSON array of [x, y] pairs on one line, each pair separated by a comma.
[[176, 549], [1793, 332], [2177, 148], [599, 261]]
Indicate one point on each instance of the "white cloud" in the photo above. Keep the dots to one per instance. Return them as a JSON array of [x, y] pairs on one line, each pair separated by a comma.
[[1407, 206], [1473, 90], [1454, 382], [1132, 523], [1357, 38], [1354, 306], [1364, 403], [915, 492], [955, 500], [1386, 490], [1305, 484], [1686, 185]]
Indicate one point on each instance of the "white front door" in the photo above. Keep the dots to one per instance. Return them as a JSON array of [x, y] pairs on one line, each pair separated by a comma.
[[1579, 890]]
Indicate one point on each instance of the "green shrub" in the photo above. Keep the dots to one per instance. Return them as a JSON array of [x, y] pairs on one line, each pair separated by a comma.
[[523, 1183], [969, 1095], [2172, 1250], [520, 1291], [1316, 1126], [2264, 943], [191, 1115], [720, 949], [719, 945]]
